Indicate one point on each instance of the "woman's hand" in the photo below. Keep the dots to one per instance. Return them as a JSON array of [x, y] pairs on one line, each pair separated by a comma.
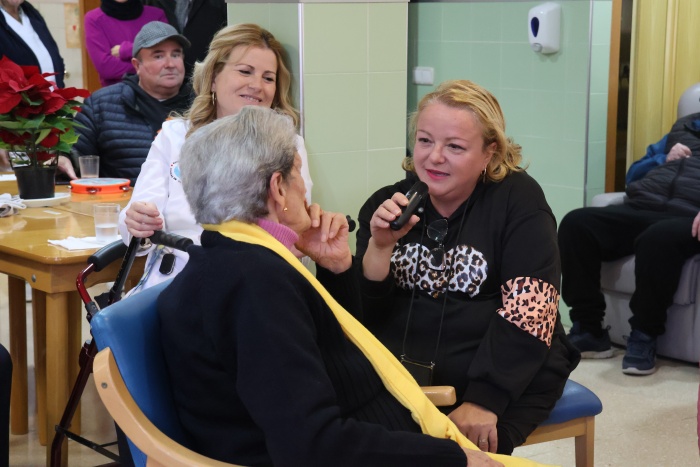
[[326, 242], [377, 259], [478, 424], [479, 459], [388, 211], [143, 219], [115, 50]]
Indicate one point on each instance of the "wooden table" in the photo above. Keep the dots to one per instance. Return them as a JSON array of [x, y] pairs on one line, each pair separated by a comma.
[[51, 271]]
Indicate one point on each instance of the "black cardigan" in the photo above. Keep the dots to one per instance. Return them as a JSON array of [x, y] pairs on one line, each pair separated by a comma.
[[13, 47], [263, 374]]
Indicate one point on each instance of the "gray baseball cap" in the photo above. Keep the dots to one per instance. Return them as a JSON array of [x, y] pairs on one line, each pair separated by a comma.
[[154, 33]]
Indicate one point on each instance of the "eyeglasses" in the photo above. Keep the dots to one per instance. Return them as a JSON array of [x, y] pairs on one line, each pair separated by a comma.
[[437, 231]]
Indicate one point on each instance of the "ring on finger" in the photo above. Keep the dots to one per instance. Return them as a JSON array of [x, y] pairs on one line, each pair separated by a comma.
[[483, 440]]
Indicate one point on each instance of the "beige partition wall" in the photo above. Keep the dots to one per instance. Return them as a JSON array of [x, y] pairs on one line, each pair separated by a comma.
[[349, 66], [665, 62]]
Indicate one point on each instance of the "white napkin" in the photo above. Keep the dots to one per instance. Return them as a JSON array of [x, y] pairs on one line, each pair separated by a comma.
[[82, 243], [7, 177], [10, 204]]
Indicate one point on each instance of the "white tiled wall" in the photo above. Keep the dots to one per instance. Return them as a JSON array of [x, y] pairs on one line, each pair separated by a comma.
[[53, 13]]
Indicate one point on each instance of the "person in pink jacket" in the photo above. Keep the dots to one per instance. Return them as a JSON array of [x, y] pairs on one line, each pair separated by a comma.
[[109, 35]]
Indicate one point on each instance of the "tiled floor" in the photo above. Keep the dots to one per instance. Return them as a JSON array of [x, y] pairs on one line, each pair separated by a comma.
[[648, 421]]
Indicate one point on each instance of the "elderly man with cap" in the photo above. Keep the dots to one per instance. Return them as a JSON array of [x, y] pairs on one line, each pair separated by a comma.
[[119, 122]]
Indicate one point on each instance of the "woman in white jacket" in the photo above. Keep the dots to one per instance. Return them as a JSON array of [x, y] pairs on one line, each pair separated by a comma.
[[244, 66]]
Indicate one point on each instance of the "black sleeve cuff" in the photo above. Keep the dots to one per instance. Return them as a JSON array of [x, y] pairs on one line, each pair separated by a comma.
[[488, 396]]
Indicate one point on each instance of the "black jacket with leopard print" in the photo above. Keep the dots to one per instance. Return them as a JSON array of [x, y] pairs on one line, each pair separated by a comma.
[[502, 344]]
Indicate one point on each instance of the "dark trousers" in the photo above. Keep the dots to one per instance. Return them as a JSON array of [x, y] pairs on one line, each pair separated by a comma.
[[661, 243]]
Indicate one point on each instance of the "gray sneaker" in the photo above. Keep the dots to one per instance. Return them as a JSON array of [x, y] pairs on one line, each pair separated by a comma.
[[640, 357], [589, 345]]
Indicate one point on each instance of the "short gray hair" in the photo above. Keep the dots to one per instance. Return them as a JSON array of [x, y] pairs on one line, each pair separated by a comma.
[[227, 164]]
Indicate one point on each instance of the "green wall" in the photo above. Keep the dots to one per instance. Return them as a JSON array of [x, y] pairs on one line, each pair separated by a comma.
[[600, 67]]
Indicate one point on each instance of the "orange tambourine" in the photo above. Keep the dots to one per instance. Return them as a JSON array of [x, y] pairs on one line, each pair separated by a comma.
[[92, 186]]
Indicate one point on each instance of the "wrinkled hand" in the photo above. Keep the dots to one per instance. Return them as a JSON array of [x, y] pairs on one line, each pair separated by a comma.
[[479, 459], [696, 227], [388, 211], [678, 151], [115, 51], [326, 242], [65, 166], [143, 219], [478, 424]]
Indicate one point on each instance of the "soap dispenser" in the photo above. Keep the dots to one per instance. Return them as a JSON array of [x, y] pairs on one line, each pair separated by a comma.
[[544, 27]]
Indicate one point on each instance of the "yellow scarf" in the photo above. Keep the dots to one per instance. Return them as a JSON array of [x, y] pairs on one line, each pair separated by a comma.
[[394, 376]]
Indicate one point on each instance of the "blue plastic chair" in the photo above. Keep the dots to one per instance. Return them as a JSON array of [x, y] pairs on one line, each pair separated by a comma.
[[131, 379], [573, 417]]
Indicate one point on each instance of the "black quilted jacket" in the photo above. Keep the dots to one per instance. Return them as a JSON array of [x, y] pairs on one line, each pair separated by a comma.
[[674, 186], [119, 123]]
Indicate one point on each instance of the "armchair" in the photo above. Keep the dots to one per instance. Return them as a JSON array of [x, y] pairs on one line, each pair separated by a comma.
[[682, 337]]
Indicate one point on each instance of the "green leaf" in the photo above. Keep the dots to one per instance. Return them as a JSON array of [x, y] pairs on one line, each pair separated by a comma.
[[11, 125]]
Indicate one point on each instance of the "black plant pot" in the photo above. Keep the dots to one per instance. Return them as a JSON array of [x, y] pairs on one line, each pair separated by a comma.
[[36, 182]]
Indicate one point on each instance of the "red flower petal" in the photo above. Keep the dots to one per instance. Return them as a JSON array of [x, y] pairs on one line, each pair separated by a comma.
[[71, 93], [50, 141], [8, 102]]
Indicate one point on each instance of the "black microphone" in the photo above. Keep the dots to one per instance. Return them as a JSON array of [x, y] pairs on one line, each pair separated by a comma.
[[415, 196], [351, 223]]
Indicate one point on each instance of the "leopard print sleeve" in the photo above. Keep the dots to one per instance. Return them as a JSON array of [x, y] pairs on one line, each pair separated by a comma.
[[531, 304]]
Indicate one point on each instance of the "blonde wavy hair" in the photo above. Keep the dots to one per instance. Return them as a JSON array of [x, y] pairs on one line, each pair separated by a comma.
[[203, 110], [467, 95]]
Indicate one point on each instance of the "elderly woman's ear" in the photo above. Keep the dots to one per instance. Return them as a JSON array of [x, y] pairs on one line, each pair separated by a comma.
[[277, 195]]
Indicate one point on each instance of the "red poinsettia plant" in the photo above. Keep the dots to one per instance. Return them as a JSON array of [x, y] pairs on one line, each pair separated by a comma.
[[36, 117]]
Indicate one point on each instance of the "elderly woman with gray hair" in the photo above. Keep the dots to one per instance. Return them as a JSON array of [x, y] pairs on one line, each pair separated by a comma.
[[266, 367]]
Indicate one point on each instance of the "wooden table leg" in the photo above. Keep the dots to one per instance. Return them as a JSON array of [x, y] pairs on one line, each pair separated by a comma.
[[39, 312], [19, 424], [58, 353]]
